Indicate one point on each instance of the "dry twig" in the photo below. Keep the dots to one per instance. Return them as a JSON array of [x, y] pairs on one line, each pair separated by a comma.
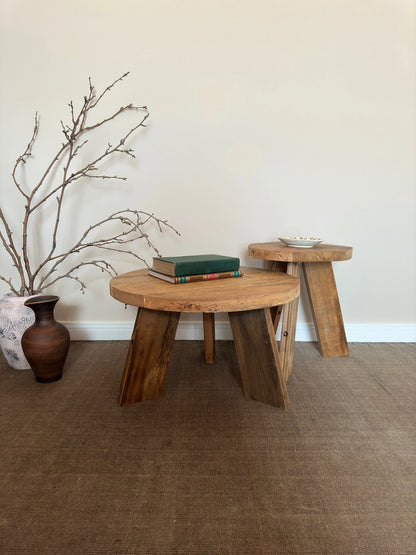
[[132, 223]]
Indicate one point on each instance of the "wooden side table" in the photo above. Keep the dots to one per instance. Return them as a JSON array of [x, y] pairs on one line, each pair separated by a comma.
[[247, 300], [321, 286]]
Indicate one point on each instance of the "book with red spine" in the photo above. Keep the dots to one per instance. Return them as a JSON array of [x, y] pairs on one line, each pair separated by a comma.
[[196, 277]]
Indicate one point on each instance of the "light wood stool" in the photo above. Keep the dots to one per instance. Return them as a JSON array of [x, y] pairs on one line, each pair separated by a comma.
[[321, 286]]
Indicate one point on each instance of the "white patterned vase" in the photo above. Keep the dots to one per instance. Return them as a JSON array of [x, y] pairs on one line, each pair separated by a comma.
[[15, 318]]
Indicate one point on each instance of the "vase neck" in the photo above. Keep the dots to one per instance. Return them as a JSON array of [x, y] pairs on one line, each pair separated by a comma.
[[43, 307]]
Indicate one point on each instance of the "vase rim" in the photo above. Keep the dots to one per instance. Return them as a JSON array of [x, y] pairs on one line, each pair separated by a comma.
[[42, 299]]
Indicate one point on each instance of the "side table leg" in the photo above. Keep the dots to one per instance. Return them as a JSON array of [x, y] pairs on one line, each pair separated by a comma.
[[323, 294], [148, 356], [258, 357], [290, 313], [276, 311], [209, 337]]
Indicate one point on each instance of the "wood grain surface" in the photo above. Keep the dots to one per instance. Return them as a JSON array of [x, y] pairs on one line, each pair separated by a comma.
[[320, 282], [290, 314], [148, 356], [278, 251], [256, 289], [322, 291], [258, 357], [209, 337]]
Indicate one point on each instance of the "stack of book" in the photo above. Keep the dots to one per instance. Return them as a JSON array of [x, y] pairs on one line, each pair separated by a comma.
[[201, 267]]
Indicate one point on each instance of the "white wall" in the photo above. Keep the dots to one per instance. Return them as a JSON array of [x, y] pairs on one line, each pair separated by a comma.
[[267, 118]]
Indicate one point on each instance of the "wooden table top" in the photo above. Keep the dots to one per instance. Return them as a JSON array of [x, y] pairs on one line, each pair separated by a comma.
[[255, 289], [279, 251]]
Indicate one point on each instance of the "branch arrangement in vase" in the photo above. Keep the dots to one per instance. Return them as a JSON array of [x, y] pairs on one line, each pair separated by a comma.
[[54, 265]]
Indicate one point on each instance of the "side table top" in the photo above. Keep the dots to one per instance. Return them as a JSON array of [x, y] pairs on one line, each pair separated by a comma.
[[319, 253], [255, 289]]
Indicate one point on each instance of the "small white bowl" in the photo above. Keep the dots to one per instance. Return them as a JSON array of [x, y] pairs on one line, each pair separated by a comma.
[[303, 242]]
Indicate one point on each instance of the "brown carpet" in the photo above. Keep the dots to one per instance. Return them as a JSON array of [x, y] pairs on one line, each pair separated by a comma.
[[204, 470]]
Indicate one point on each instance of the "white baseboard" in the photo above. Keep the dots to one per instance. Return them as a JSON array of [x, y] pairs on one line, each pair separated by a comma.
[[189, 330]]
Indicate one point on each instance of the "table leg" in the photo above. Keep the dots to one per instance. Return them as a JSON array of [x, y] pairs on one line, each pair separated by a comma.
[[323, 294], [290, 313], [209, 337], [276, 311], [258, 357], [148, 356]]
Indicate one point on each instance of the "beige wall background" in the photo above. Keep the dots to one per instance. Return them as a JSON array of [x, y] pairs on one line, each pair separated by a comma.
[[267, 118]]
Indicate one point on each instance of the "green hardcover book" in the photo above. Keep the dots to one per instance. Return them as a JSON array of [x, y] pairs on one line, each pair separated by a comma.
[[195, 264]]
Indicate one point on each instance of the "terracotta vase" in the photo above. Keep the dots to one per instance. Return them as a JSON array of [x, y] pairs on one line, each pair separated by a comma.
[[46, 343]]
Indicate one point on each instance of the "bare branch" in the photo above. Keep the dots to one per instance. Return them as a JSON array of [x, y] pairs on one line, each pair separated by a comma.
[[130, 225], [22, 158], [11, 248], [92, 166], [102, 265], [92, 176], [10, 284], [78, 147], [133, 222], [107, 89]]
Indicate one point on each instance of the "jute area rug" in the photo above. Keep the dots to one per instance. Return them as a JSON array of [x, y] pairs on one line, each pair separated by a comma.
[[203, 470]]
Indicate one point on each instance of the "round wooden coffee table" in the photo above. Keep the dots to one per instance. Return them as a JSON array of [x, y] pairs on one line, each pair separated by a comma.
[[247, 299], [321, 286]]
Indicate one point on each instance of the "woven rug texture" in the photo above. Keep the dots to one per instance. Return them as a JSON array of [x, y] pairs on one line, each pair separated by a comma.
[[203, 470]]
